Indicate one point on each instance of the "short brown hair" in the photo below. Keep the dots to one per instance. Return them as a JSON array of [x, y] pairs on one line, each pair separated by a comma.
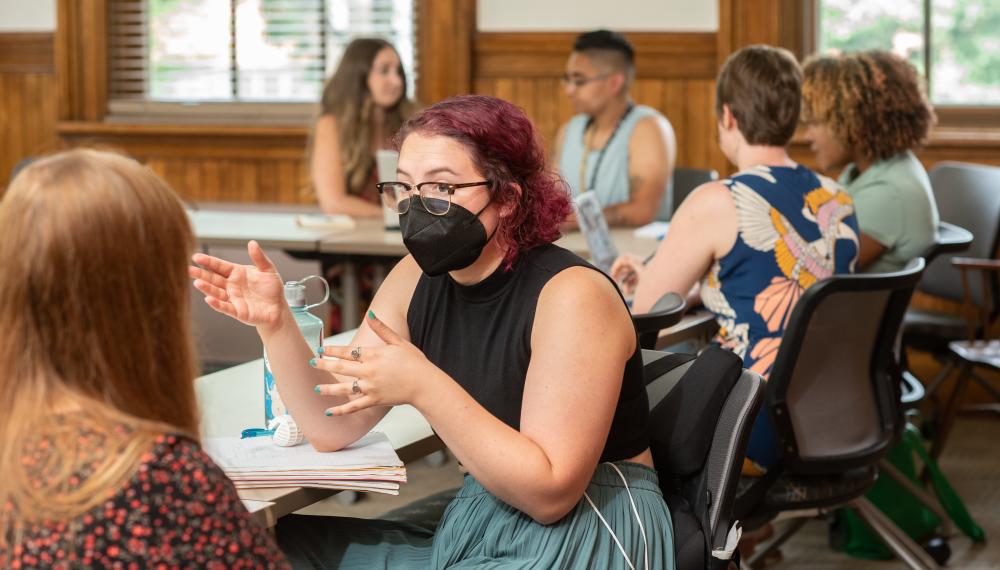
[[873, 101], [762, 85]]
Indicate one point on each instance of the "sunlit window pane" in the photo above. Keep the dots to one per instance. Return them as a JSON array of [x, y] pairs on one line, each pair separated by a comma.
[[854, 25], [244, 50], [279, 49], [965, 52], [189, 50]]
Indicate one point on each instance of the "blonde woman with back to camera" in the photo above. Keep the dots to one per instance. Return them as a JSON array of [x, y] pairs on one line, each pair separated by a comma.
[[100, 457]]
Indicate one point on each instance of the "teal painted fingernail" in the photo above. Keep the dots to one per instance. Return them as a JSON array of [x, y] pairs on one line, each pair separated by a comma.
[[328, 413], [316, 389], [312, 362], [371, 314], [319, 351]]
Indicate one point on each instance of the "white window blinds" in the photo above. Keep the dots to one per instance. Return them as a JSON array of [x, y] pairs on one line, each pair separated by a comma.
[[226, 51]]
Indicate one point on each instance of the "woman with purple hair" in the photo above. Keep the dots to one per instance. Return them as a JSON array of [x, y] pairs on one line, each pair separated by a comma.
[[520, 354]]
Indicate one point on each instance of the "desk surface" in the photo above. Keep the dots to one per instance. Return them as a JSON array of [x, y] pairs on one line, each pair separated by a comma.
[[233, 399], [279, 230]]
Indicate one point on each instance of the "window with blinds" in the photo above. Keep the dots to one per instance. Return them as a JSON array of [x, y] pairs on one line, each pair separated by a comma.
[[169, 52]]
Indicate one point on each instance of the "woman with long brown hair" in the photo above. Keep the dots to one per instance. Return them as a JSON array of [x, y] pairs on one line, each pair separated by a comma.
[[364, 104], [100, 458]]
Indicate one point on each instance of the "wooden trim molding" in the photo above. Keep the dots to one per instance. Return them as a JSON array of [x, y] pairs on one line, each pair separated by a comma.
[[81, 53], [26, 53], [190, 141], [659, 55], [444, 48]]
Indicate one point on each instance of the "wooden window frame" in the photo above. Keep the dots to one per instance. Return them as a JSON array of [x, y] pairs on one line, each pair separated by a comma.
[[972, 118], [81, 56]]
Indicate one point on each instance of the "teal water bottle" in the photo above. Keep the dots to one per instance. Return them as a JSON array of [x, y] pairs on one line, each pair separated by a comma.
[[311, 327]]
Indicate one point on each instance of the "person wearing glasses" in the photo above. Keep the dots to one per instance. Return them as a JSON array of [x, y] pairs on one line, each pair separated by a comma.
[[623, 152], [520, 355]]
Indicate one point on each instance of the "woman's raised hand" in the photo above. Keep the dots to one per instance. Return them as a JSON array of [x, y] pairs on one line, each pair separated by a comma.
[[252, 294]]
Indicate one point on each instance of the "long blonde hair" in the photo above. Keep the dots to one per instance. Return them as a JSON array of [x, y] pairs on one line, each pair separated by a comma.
[[346, 97], [94, 330]]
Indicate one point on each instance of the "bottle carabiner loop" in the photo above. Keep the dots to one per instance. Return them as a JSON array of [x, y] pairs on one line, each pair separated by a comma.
[[326, 287]]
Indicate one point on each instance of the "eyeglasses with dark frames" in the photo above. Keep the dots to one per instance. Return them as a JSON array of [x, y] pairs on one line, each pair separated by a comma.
[[436, 196]]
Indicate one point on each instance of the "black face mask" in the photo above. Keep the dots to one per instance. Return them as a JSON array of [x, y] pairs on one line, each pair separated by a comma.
[[445, 243]]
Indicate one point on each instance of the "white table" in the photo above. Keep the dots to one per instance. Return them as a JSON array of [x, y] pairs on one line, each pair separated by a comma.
[[270, 229], [233, 399]]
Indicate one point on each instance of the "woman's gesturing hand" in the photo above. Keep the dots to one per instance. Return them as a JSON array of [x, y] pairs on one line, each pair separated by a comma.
[[252, 294], [397, 373]]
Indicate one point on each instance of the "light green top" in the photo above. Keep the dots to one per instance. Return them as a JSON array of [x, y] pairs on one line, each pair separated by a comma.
[[894, 205]]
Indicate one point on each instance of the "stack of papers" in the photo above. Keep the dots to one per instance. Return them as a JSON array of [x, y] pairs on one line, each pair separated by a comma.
[[370, 464], [337, 222]]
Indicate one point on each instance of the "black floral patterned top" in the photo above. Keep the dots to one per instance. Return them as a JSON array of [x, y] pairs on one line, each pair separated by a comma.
[[178, 510]]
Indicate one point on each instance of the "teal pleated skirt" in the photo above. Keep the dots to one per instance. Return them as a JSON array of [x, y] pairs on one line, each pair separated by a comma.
[[480, 531]]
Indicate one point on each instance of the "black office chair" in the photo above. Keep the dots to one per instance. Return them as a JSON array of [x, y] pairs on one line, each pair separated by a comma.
[[690, 401], [833, 397], [686, 180], [967, 195], [666, 312]]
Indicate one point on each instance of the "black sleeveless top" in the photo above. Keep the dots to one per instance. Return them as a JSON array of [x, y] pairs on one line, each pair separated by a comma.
[[481, 336]]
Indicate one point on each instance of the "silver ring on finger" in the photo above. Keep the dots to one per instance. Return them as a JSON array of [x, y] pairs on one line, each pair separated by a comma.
[[355, 387], [356, 353]]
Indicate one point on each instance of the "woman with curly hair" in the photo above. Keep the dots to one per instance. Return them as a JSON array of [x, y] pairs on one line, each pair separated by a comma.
[[521, 356], [865, 113]]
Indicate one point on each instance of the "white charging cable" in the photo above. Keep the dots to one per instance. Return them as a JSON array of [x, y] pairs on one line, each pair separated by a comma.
[[642, 530]]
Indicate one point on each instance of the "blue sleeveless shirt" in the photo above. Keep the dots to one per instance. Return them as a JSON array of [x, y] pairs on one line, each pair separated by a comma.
[[611, 184], [794, 229]]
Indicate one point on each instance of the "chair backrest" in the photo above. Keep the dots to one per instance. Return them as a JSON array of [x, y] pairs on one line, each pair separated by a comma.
[[833, 392], [729, 444], [666, 312], [719, 469], [687, 179], [951, 239], [967, 195]]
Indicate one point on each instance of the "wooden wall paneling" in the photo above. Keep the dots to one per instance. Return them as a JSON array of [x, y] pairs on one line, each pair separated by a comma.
[[524, 68], [698, 111], [547, 111], [211, 180], [26, 52], [27, 99], [674, 105]]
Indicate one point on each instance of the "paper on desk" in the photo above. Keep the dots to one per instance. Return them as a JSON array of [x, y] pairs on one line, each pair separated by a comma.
[[652, 230], [325, 221], [260, 453], [254, 506]]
